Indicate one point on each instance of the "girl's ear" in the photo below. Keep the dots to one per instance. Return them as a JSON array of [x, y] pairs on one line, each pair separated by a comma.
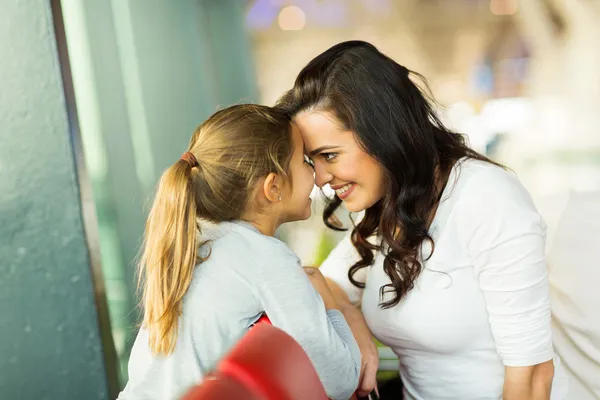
[[272, 187]]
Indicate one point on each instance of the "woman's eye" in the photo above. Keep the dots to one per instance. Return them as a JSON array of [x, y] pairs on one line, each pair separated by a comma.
[[329, 156]]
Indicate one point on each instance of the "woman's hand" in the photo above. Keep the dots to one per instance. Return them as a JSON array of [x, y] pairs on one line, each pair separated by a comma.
[[320, 284]]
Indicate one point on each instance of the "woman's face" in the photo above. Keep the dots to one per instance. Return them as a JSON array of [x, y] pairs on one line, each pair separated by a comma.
[[357, 178]]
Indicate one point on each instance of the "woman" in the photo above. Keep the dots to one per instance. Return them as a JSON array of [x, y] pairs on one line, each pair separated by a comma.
[[448, 262]]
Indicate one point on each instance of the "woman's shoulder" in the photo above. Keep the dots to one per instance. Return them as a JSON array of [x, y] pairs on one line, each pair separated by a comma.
[[472, 169], [477, 180], [484, 190]]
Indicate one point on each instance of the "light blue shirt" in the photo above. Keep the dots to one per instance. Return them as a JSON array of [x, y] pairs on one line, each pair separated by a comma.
[[246, 274]]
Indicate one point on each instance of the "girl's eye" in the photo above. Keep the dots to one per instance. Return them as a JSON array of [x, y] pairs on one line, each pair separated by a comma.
[[329, 156], [308, 161]]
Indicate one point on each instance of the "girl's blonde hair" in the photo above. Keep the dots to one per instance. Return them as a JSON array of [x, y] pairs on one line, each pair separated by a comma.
[[234, 148]]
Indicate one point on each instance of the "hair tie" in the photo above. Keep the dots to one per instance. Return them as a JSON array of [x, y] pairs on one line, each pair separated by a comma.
[[190, 158]]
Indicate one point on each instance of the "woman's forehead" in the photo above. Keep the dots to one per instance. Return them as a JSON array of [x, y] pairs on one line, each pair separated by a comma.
[[320, 128], [317, 120]]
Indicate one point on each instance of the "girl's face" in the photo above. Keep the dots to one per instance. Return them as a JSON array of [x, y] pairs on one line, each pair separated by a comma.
[[357, 178], [296, 199]]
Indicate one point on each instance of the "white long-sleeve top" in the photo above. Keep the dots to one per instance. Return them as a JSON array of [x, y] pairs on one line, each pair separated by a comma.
[[481, 301], [246, 274]]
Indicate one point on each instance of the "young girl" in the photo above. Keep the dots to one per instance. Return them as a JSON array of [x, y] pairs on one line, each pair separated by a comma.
[[211, 266]]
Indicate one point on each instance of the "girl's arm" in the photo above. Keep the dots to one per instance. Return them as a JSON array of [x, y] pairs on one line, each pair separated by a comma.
[[293, 305]]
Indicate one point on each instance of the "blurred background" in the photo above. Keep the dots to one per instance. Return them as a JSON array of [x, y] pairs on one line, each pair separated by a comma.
[[100, 96]]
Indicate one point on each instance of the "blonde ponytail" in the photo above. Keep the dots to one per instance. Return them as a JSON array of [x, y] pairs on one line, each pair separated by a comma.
[[169, 256]]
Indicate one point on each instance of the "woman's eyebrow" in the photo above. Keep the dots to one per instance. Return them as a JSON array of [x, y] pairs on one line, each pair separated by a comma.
[[321, 149]]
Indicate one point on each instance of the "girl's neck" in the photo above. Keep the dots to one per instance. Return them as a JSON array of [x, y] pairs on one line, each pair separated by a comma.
[[265, 224]]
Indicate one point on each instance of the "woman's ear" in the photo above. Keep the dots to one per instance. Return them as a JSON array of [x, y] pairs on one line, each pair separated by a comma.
[[272, 187]]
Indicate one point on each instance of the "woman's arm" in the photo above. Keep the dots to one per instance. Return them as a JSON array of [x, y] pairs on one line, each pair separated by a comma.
[[363, 336], [533, 382], [346, 295], [505, 238]]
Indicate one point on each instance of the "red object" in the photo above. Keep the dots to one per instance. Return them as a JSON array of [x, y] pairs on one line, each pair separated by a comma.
[[264, 319], [266, 364], [220, 388], [272, 364]]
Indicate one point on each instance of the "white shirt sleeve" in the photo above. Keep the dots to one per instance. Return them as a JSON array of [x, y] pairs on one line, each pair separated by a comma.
[[505, 238], [337, 264], [293, 305]]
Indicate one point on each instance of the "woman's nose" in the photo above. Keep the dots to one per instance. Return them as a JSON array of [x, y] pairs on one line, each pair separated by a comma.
[[322, 176]]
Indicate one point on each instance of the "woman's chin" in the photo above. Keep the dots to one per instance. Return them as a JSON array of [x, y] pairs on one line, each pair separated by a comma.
[[354, 205], [354, 209]]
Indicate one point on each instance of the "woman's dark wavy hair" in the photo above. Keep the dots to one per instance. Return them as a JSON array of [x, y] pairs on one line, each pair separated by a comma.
[[395, 123]]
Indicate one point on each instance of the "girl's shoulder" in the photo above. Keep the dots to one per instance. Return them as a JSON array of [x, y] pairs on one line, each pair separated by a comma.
[[241, 240]]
